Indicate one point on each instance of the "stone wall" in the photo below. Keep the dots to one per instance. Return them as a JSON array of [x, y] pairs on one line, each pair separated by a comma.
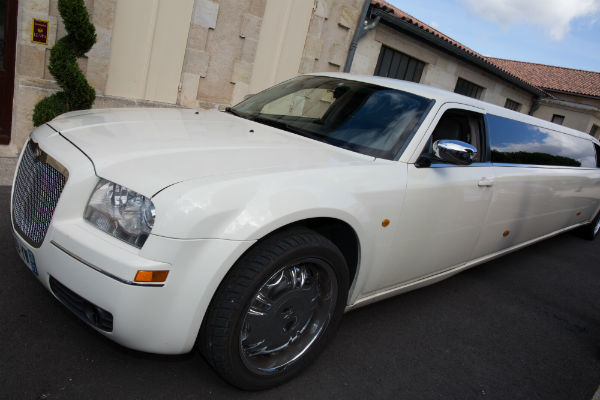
[[581, 112], [220, 52], [577, 116], [329, 35], [586, 100], [32, 79], [441, 69]]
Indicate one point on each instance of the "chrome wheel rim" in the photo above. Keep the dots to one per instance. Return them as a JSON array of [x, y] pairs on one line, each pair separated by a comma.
[[286, 315]]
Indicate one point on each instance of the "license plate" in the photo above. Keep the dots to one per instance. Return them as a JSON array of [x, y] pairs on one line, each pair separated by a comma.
[[26, 255]]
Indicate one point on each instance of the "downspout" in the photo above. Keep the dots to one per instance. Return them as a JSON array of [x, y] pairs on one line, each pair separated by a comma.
[[534, 106], [361, 30]]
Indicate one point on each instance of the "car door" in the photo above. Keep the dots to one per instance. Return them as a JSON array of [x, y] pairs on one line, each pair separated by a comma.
[[445, 205], [542, 183]]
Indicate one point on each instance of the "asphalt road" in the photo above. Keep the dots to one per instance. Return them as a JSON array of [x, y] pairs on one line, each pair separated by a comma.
[[526, 326]]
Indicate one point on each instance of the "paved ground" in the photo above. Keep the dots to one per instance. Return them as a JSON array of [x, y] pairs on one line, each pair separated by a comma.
[[526, 326], [7, 169]]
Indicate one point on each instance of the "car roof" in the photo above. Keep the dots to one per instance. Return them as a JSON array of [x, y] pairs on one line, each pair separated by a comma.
[[443, 96]]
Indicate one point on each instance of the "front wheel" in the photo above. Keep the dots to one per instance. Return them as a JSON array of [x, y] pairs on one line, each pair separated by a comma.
[[276, 309]]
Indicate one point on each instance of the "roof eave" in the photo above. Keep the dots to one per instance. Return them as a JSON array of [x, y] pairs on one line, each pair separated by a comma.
[[415, 31], [578, 94]]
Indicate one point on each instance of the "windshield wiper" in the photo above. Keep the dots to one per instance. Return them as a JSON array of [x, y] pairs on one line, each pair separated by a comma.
[[271, 122], [238, 114], [286, 127]]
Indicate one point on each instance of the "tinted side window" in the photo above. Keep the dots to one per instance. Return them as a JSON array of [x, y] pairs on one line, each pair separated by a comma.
[[516, 142], [597, 155]]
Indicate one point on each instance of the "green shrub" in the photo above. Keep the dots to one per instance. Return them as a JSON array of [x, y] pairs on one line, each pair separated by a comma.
[[76, 93]]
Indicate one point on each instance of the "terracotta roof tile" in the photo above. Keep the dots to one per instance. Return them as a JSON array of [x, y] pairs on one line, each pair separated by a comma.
[[553, 78], [538, 75]]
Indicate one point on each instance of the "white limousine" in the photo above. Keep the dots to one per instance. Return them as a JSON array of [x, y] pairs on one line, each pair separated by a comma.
[[248, 232]]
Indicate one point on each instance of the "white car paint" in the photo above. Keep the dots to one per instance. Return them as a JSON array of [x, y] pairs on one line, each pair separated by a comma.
[[220, 183], [125, 145]]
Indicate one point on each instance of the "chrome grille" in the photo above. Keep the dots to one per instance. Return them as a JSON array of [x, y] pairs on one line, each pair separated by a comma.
[[37, 187]]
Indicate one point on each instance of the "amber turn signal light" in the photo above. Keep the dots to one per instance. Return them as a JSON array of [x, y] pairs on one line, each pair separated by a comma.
[[385, 222], [151, 276]]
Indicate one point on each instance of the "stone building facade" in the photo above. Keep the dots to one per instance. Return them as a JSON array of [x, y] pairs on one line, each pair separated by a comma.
[[212, 53], [575, 111], [441, 70], [32, 81], [188, 53], [572, 96]]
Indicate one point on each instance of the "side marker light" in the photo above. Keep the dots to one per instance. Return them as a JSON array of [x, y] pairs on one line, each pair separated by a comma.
[[151, 276]]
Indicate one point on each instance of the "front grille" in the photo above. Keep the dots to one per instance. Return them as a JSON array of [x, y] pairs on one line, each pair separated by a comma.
[[38, 186], [88, 312]]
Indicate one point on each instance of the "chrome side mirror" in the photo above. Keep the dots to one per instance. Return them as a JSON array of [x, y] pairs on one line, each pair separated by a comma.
[[454, 151]]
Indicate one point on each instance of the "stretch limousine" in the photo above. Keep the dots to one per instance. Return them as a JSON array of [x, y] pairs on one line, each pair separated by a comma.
[[248, 232]]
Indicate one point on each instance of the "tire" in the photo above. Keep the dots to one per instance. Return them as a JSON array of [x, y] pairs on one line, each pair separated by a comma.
[[591, 230], [276, 309]]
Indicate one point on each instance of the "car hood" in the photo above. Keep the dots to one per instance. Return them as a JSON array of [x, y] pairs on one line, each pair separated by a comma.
[[150, 149]]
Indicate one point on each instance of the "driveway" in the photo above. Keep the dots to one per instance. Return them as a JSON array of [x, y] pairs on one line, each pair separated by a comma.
[[525, 326]]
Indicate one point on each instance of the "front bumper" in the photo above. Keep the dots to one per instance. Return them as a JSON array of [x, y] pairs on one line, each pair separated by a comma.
[[100, 269]]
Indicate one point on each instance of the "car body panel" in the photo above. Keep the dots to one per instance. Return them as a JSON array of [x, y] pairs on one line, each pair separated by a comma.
[[149, 149], [530, 202], [220, 183]]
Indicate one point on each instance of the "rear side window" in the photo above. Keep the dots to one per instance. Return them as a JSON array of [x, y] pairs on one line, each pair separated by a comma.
[[597, 155], [515, 142]]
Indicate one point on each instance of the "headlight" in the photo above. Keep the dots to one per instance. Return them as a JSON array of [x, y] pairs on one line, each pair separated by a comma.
[[121, 212]]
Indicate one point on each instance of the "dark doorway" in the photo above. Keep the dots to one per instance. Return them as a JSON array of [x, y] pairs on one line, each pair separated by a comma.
[[8, 33]]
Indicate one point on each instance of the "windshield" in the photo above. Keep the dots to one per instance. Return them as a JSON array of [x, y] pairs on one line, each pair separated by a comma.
[[357, 116]]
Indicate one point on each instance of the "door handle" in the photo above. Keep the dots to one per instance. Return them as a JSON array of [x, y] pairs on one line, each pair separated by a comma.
[[485, 182]]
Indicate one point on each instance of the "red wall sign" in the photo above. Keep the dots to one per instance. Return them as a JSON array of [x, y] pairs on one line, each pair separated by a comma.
[[39, 33]]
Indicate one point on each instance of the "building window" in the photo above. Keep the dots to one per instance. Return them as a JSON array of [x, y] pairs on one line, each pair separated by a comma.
[[467, 88], [594, 130], [393, 64], [512, 105], [558, 119]]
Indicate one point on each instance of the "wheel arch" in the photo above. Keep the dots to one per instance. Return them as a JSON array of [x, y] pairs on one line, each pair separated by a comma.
[[339, 232]]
